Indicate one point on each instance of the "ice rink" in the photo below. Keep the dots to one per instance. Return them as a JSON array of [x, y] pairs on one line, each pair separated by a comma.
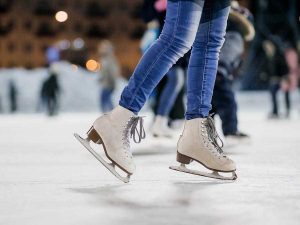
[[47, 177]]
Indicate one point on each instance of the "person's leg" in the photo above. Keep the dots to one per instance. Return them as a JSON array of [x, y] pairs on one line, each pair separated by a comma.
[[226, 107], [168, 96], [204, 58], [103, 100], [115, 128], [177, 37], [51, 106], [110, 101], [273, 90], [175, 81], [106, 104], [287, 103], [55, 105], [199, 141]]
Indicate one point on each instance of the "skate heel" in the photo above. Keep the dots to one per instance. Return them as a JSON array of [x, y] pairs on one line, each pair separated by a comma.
[[183, 159], [94, 136]]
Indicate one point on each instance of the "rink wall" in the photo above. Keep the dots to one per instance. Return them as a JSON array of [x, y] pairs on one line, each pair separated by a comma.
[[79, 88]]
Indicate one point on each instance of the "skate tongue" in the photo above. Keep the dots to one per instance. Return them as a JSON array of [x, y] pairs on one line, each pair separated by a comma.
[[137, 133], [213, 134]]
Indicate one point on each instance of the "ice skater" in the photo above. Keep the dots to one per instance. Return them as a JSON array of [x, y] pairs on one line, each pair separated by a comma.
[[50, 92], [239, 29], [110, 71], [13, 96], [200, 24]]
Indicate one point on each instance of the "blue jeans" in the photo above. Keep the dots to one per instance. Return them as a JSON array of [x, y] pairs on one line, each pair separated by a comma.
[[105, 99], [224, 104], [200, 24], [174, 84]]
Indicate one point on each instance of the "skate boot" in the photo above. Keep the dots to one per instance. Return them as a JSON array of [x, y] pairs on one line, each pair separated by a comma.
[[160, 127], [113, 131], [199, 142]]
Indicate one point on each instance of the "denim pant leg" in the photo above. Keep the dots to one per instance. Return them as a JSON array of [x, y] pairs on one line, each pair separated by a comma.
[[204, 58], [179, 32], [106, 102], [225, 104], [170, 91]]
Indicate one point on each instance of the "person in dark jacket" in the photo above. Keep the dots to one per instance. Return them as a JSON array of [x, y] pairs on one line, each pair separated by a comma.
[[276, 23], [280, 32], [13, 96], [239, 29], [50, 93]]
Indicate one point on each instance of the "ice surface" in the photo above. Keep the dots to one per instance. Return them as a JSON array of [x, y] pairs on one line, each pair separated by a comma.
[[46, 177]]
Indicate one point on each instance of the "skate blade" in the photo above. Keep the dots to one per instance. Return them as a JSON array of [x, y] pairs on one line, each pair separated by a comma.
[[109, 166], [214, 174]]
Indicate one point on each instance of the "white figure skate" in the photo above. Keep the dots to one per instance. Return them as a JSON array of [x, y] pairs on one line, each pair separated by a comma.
[[160, 127], [199, 142], [112, 131]]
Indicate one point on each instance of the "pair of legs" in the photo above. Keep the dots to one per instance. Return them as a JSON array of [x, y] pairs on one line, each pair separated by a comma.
[[52, 105], [199, 24], [274, 89]]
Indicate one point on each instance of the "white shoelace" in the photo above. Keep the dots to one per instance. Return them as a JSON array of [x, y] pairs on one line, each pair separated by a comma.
[[213, 135], [132, 130]]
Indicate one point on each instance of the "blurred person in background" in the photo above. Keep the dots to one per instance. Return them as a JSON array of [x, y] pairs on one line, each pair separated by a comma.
[[278, 70], [50, 92], [274, 49], [281, 38], [240, 29], [13, 96], [154, 12], [110, 71], [50, 89]]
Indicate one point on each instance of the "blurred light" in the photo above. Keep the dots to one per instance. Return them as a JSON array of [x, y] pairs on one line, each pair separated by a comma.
[[64, 44], [78, 43], [92, 65], [61, 16], [75, 67]]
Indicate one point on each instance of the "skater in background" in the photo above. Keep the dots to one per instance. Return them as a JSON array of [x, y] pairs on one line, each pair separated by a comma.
[[279, 29], [154, 12], [276, 22], [110, 71], [239, 29], [50, 92], [200, 24], [278, 70], [13, 96]]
